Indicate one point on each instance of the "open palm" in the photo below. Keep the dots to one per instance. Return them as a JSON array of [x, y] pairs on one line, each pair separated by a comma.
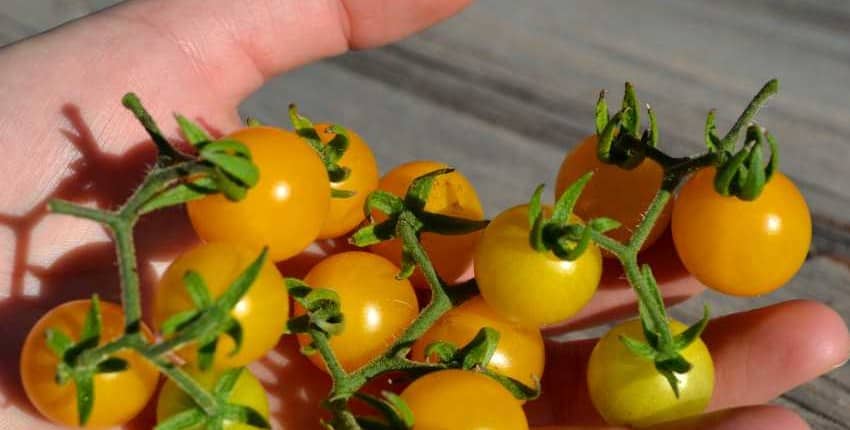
[[64, 134]]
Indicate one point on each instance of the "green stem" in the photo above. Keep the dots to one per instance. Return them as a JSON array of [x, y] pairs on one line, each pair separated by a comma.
[[204, 399], [643, 289], [656, 208], [345, 385], [129, 272], [769, 89]]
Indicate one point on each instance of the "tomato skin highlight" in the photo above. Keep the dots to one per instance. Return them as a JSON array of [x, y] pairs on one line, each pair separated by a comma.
[[262, 311], [628, 390], [520, 352], [462, 400], [118, 397], [738, 247], [346, 213], [614, 192], [246, 392], [377, 307], [285, 210], [529, 287], [451, 194]]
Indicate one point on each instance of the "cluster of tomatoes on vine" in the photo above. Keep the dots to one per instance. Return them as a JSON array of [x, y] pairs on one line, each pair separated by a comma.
[[739, 227]]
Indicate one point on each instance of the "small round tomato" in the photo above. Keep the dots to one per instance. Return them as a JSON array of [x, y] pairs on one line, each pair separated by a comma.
[[347, 213], [613, 192], [627, 389], [520, 353], [287, 207], [377, 307], [529, 287], [262, 311], [462, 400], [743, 248], [246, 392], [118, 397], [451, 194]]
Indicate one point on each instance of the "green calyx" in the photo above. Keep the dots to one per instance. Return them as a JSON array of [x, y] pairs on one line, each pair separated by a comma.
[[220, 166], [560, 234], [77, 364], [322, 307], [476, 355], [395, 414], [743, 173], [226, 414], [330, 153], [661, 347], [411, 209], [621, 140], [211, 318]]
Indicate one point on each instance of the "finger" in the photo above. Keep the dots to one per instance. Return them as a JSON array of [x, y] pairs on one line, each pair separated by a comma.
[[763, 353], [748, 417], [615, 299], [758, 355], [744, 418]]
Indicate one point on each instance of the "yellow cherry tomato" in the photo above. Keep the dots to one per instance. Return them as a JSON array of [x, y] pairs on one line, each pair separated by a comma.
[[347, 213], [262, 311], [451, 194], [287, 207], [519, 354], [739, 247], [118, 396], [613, 192], [246, 392], [627, 389], [529, 287], [377, 306], [462, 400]]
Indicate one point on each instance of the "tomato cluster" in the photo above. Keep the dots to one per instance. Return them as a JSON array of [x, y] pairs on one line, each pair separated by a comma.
[[523, 285]]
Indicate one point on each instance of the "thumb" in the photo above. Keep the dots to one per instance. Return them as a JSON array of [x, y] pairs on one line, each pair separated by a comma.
[[235, 46], [197, 57]]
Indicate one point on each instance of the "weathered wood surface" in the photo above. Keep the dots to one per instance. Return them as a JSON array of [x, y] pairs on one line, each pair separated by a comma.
[[508, 88]]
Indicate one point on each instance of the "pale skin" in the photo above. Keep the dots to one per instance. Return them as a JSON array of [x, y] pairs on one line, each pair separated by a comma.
[[65, 135]]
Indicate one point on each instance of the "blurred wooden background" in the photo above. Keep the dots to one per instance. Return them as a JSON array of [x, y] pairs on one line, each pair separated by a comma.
[[508, 88]]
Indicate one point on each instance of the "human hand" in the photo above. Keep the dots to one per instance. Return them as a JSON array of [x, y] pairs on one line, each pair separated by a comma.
[[204, 66]]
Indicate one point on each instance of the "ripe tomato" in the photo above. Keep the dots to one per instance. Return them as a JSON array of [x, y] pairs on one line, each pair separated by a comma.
[[451, 194], [287, 207], [377, 307], [628, 390], [347, 213], [530, 287], [613, 192], [462, 400], [246, 392], [519, 355], [738, 247], [118, 396], [262, 311]]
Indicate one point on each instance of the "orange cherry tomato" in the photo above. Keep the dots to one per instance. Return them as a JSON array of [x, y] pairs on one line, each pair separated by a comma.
[[462, 400], [451, 194], [287, 207], [739, 247], [530, 287], [628, 390], [347, 213], [262, 312], [377, 307], [118, 396], [613, 192], [520, 353]]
